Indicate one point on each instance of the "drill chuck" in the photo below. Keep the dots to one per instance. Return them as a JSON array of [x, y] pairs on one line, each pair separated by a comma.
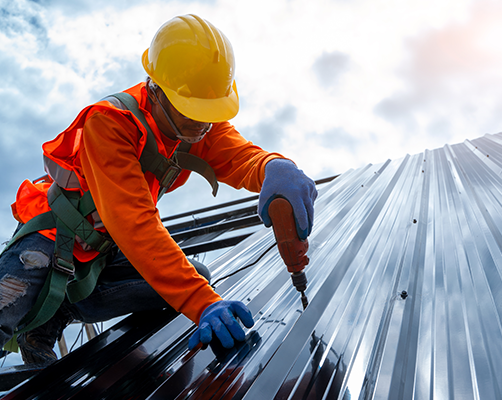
[[299, 281]]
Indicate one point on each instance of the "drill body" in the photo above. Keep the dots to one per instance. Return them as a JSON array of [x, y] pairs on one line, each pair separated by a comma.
[[293, 250]]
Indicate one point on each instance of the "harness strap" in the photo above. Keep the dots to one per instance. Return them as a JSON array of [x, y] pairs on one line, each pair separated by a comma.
[[86, 277], [42, 221], [70, 210], [149, 157], [48, 302], [165, 169], [53, 292], [65, 235], [67, 216], [197, 164], [70, 222]]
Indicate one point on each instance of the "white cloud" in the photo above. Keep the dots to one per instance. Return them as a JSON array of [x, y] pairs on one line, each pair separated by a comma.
[[329, 67], [451, 80], [400, 76]]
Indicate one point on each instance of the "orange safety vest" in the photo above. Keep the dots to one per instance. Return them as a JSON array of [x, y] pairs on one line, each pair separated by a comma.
[[61, 156]]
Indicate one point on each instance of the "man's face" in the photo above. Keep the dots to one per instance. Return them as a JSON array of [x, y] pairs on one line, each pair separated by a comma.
[[187, 127]]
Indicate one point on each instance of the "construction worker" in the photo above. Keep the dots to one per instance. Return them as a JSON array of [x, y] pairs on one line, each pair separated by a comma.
[[91, 227]]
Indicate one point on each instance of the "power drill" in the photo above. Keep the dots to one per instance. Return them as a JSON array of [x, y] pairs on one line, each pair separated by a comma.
[[292, 249]]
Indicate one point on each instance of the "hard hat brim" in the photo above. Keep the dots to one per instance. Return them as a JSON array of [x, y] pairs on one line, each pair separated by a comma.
[[203, 110]]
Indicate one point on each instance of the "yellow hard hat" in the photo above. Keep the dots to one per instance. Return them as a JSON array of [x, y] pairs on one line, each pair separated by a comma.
[[193, 63]]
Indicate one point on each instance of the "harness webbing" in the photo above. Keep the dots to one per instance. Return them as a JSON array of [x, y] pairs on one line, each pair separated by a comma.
[[151, 160], [67, 215]]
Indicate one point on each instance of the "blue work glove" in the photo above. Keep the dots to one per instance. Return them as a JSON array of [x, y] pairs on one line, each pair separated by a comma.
[[284, 179], [219, 318]]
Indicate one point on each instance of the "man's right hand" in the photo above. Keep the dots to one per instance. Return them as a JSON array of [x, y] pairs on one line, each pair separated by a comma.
[[220, 318], [284, 179]]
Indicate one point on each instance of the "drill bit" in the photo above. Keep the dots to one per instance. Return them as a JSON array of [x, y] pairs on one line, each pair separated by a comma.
[[305, 301], [300, 283]]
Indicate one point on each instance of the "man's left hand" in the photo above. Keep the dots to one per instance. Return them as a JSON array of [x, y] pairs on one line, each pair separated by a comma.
[[220, 319]]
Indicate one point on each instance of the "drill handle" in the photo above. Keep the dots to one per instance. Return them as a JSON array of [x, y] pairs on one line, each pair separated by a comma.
[[292, 249]]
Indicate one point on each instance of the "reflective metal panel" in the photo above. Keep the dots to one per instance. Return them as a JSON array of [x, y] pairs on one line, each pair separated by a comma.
[[405, 285], [405, 300]]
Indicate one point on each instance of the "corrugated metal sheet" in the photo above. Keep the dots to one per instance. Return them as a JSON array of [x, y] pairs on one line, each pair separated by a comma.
[[405, 291], [405, 285]]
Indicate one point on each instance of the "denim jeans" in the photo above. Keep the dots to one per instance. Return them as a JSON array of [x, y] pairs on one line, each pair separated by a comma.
[[120, 290]]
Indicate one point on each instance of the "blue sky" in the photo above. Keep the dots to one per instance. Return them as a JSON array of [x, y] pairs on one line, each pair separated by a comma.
[[334, 85]]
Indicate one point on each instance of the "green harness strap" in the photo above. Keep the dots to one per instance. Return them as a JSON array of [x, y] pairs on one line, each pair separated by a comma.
[[161, 166], [67, 215]]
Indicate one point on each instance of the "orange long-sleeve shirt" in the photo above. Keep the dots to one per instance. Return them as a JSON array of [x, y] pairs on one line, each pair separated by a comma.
[[103, 147]]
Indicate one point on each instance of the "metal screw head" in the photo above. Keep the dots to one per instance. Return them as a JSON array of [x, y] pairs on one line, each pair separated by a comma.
[[404, 294]]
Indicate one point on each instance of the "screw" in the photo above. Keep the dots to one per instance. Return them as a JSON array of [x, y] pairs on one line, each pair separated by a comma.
[[404, 294]]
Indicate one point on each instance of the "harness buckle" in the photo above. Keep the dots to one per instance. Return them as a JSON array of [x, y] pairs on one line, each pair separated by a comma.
[[105, 246], [64, 266], [172, 170]]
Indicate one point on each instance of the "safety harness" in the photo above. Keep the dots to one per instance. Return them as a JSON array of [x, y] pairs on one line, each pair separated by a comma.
[[165, 169], [68, 215]]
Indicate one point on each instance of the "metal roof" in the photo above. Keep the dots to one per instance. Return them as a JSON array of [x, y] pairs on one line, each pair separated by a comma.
[[405, 292]]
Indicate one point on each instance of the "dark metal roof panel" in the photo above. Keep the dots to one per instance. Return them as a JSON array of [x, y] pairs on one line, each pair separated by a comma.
[[405, 291]]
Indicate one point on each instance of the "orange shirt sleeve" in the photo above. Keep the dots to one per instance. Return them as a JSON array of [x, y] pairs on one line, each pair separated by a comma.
[[109, 158], [236, 161]]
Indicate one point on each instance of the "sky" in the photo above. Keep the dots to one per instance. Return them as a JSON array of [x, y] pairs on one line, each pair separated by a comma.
[[333, 85]]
